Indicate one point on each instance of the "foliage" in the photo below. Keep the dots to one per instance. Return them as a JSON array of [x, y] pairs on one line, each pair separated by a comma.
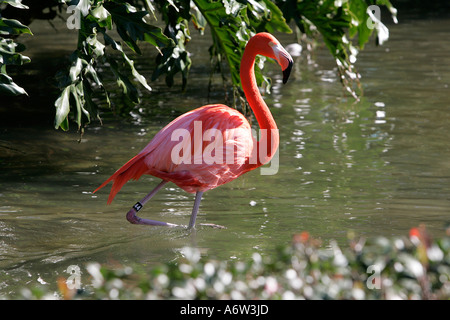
[[334, 21], [413, 267], [231, 23], [97, 18], [10, 51]]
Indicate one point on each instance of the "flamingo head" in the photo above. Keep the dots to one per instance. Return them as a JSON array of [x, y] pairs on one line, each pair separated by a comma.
[[269, 46]]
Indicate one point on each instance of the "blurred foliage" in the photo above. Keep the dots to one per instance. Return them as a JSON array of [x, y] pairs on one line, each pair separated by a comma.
[[413, 267], [109, 30]]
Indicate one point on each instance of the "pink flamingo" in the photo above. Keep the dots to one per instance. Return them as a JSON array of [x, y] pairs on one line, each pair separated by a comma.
[[229, 134]]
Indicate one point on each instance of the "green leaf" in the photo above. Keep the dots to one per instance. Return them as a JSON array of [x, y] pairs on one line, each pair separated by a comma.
[[103, 17], [15, 3], [136, 74], [75, 70], [267, 17], [77, 92], [198, 19], [131, 26], [62, 105], [96, 48], [233, 22], [128, 88], [84, 6], [224, 29], [91, 72], [8, 87], [9, 53], [150, 7], [13, 27], [130, 63], [174, 60]]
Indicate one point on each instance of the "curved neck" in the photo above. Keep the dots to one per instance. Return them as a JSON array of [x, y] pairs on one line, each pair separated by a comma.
[[269, 132]]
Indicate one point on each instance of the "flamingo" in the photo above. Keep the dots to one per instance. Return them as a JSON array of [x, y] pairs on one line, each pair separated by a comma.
[[190, 150]]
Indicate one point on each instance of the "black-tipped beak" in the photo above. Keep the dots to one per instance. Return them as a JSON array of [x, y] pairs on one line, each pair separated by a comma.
[[287, 71]]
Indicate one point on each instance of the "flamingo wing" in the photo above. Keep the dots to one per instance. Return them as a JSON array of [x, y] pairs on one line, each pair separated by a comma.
[[198, 151]]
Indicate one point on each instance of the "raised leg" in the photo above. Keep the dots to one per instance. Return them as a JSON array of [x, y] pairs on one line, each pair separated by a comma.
[[133, 218]]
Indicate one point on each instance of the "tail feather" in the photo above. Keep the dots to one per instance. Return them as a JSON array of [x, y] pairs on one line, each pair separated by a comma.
[[133, 169]]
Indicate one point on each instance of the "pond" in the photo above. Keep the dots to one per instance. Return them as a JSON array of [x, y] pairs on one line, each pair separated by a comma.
[[373, 168]]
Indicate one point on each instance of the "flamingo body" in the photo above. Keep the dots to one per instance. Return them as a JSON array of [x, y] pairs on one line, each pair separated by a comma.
[[211, 145], [201, 170]]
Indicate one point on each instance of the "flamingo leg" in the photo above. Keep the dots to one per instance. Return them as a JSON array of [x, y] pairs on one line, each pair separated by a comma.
[[198, 199], [134, 219], [132, 214]]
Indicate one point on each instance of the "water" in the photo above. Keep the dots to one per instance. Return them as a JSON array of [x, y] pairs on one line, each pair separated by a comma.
[[377, 167]]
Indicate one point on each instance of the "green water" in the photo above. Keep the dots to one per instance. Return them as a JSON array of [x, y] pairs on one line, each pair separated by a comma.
[[377, 167]]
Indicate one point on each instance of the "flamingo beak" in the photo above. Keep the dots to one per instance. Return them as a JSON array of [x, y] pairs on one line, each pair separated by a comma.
[[287, 71], [284, 59]]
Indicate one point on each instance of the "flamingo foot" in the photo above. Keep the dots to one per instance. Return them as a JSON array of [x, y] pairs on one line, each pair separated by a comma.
[[134, 219]]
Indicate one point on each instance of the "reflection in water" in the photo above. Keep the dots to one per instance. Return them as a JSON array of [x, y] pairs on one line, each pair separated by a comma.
[[377, 167]]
